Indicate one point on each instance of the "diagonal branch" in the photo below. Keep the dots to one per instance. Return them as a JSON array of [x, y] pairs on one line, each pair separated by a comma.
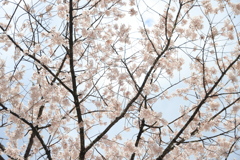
[[174, 140], [35, 131]]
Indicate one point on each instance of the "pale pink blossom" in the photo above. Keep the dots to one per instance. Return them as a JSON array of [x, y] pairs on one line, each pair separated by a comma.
[[132, 12]]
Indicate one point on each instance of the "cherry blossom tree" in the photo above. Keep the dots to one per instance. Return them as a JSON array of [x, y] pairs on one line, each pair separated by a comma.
[[119, 79]]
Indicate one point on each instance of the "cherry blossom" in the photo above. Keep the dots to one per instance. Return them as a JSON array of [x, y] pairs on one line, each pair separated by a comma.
[[117, 79]]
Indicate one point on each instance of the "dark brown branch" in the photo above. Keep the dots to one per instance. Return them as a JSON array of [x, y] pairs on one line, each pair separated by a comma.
[[38, 61], [30, 143], [174, 140], [225, 108], [47, 151], [74, 84], [60, 68], [138, 137], [3, 149]]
